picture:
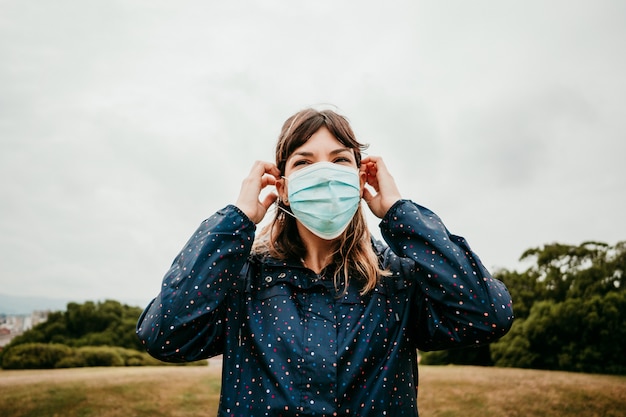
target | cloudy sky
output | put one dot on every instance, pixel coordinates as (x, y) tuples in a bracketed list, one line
[(123, 124)]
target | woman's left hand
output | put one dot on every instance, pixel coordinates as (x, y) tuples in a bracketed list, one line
[(380, 180)]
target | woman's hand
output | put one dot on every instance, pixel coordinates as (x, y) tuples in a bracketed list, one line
[(380, 180), (262, 174)]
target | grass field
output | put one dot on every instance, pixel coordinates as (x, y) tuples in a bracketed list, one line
[(449, 391)]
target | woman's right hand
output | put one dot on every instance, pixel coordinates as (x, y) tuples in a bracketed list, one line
[(262, 174)]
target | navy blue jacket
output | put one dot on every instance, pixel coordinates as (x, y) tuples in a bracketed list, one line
[(294, 346)]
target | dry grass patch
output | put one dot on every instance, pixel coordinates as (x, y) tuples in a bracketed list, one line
[(447, 391), (467, 391), (110, 392)]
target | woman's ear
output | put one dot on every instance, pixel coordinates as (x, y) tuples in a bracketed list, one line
[(362, 180), (281, 189)]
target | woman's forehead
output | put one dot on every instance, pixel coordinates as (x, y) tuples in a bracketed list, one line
[(320, 141)]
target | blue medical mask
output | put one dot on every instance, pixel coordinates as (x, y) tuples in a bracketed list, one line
[(324, 197)]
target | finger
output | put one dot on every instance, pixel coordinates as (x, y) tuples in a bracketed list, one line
[(268, 180), (370, 159), (367, 195), (381, 167), (373, 182), (370, 166), (376, 162), (371, 177), (273, 170), (268, 200), (261, 168)]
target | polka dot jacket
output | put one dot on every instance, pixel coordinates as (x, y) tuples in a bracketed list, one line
[(294, 346)]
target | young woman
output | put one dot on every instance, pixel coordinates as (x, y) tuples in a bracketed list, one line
[(312, 315)]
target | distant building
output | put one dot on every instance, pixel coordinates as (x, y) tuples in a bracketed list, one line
[(5, 336), (15, 325)]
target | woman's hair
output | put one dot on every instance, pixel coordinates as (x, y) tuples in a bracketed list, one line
[(280, 239)]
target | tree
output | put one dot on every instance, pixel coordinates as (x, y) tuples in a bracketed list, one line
[(575, 321), (566, 271), (570, 307)]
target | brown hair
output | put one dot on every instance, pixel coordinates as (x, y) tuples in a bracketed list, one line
[(280, 239)]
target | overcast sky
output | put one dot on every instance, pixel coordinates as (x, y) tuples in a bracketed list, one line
[(123, 124)]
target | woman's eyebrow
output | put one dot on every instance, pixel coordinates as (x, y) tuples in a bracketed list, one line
[(302, 153), (333, 152), (341, 150)]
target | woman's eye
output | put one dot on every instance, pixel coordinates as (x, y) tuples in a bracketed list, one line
[(300, 162), (342, 159)]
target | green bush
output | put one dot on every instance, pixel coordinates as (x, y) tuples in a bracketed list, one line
[(101, 356), (51, 355), (135, 358), (72, 361), (35, 356)]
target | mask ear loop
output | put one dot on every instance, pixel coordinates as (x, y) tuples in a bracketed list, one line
[(284, 210), (279, 202)]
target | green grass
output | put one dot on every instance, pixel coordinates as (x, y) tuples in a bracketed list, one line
[(448, 391)]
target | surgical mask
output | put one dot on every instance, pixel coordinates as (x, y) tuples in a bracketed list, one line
[(324, 197)]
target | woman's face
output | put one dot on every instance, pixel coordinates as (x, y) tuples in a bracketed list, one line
[(322, 146)]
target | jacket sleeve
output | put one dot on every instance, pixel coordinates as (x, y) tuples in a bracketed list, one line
[(184, 322), (457, 302)]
